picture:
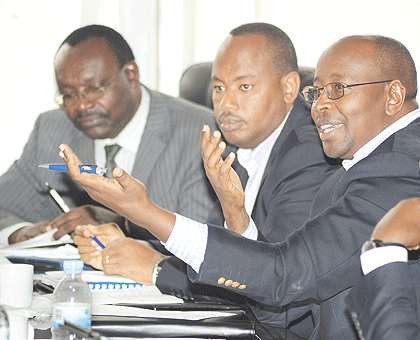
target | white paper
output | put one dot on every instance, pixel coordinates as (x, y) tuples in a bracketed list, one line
[(65, 252), (39, 241), (106, 310)]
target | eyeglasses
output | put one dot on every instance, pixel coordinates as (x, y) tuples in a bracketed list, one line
[(333, 90), (92, 94)]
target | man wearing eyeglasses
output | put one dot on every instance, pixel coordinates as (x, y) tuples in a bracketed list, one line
[(374, 128), (102, 104)]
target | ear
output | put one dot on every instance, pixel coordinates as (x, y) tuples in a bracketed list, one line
[(291, 83), (396, 98), (132, 72)]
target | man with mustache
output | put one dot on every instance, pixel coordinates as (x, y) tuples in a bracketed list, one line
[(364, 105), (102, 103)]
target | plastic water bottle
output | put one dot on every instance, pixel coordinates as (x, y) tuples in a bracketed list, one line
[(72, 301), (4, 324)]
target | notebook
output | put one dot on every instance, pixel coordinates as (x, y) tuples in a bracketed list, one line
[(96, 279)]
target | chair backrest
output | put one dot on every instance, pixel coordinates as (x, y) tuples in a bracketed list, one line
[(195, 83)]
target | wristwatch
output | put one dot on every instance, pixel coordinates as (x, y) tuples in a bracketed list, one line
[(156, 269), (371, 244)]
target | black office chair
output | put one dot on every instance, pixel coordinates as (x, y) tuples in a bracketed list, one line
[(195, 83)]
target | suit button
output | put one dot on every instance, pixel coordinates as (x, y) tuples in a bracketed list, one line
[(221, 281), (235, 284), (242, 287), (228, 282)]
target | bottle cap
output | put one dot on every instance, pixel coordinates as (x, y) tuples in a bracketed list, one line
[(73, 266)]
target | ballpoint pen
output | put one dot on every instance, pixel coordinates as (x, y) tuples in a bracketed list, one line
[(93, 169), (55, 195)]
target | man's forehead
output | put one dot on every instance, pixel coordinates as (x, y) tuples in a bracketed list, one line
[(347, 59)]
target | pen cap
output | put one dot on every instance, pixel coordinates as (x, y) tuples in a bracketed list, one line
[(73, 266)]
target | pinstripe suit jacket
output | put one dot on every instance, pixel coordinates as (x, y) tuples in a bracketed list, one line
[(168, 162)]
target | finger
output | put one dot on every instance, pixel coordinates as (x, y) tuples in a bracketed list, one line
[(83, 231), (111, 269), (226, 165), (67, 228), (69, 157), (210, 146), (205, 137), (88, 251), (215, 159), (87, 180)]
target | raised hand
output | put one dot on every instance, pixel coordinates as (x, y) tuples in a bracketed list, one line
[(224, 180), (125, 195)]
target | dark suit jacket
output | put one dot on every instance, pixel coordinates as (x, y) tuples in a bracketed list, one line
[(168, 162), (319, 262), (295, 170), (384, 304)]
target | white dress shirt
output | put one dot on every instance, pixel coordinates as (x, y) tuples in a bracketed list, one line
[(368, 148), (176, 244), (378, 257)]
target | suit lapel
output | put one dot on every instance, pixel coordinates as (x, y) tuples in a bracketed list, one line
[(84, 149), (287, 136), (155, 138)]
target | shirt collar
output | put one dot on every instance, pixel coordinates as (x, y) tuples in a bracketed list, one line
[(368, 148)]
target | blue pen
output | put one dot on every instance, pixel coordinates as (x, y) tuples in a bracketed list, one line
[(93, 169), (98, 242)]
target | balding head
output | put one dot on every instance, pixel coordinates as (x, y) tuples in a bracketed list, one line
[(376, 88)]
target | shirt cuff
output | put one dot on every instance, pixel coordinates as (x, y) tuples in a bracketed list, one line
[(251, 232), (6, 232), (378, 257), (188, 241)]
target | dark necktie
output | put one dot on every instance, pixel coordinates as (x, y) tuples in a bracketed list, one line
[(110, 153)]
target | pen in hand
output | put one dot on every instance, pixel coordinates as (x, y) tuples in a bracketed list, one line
[(98, 242), (93, 169)]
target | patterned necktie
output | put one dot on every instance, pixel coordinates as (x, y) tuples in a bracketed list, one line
[(110, 153)]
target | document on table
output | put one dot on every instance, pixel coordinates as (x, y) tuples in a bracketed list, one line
[(42, 240), (65, 252), (97, 280)]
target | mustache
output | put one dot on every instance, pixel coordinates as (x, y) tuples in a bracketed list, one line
[(227, 117), (83, 115)]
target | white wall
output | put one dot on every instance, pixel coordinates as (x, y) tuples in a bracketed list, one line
[(167, 36)]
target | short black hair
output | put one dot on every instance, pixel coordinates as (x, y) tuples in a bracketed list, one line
[(115, 40), (396, 62), (279, 44)]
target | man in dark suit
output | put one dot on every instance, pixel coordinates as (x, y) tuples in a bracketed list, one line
[(103, 103), (384, 304), (365, 109), (258, 110)]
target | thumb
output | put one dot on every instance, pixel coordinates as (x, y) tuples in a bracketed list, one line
[(123, 178)]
